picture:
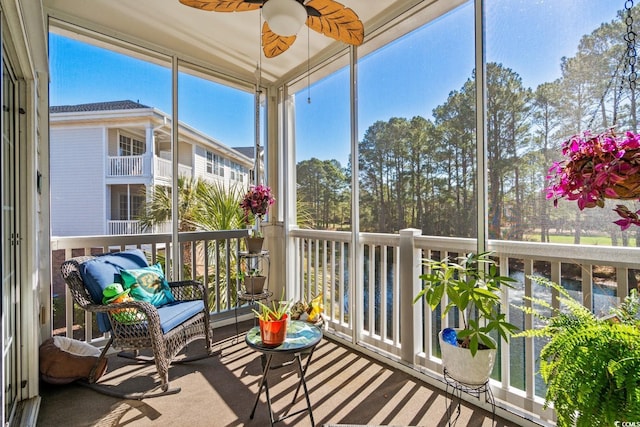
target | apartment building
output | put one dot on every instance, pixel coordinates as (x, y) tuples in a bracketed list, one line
[(105, 155)]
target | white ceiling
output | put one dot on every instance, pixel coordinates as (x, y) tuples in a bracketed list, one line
[(227, 42)]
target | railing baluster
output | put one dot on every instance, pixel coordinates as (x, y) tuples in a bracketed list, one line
[(505, 349), (587, 286), (529, 349), (395, 313), (325, 260), (332, 282), (343, 320), (316, 271), (383, 292)]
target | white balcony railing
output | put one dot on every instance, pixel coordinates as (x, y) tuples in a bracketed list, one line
[(127, 227), (369, 300), (164, 169), (125, 166), (211, 252), (370, 314), (116, 227), (119, 166)]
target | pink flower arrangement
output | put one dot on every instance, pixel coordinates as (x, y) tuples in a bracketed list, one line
[(256, 202), (599, 166)]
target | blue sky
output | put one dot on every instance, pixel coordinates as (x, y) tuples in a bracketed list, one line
[(81, 73), (528, 36)]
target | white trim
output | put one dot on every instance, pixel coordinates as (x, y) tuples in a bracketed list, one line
[(29, 412)]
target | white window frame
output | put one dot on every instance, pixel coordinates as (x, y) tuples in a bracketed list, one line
[(130, 146)]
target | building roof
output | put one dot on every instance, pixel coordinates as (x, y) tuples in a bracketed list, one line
[(247, 151), (97, 106)]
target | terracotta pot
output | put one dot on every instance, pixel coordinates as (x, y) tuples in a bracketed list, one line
[(465, 368), (254, 244), (254, 284), (273, 332)]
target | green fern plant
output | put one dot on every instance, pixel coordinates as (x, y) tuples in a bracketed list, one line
[(591, 365)]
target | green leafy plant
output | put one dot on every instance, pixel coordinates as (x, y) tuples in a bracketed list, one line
[(591, 365), (472, 285), (252, 272), (276, 311)]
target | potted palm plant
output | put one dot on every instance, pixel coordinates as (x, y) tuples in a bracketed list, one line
[(590, 364), (472, 285), (273, 322)]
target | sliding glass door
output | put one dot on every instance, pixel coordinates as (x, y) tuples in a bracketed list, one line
[(9, 233)]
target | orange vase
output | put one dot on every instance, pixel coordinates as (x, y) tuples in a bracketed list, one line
[(273, 332)]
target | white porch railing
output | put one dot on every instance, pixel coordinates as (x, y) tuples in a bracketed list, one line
[(128, 227), (116, 227), (185, 171), (125, 166), (213, 253), (163, 169), (379, 314), (375, 312)]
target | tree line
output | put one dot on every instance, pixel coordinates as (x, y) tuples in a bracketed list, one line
[(419, 172)]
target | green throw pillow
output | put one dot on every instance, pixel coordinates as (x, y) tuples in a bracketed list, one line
[(148, 284)]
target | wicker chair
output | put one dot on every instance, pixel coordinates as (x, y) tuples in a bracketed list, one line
[(146, 332)]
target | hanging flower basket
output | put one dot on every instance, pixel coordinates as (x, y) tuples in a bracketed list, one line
[(598, 167), (256, 202), (629, 187)]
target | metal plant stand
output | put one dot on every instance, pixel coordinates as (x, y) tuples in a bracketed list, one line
[(454, 392), (255, 260)]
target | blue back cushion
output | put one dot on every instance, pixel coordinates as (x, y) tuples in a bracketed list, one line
[(104, 270)]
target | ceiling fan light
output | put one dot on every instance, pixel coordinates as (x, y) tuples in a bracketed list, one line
[(285, 17)]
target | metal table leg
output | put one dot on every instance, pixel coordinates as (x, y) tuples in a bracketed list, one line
[(263, 382), (302, 370)]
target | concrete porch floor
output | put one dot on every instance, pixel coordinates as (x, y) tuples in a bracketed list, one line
[(345, 388)]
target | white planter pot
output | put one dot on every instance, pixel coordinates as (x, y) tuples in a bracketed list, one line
[(465, 368)]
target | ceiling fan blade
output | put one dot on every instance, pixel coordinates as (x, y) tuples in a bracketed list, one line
[(274, 44), (336, 21), (223, 5)]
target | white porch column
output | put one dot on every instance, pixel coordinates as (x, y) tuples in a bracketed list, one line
[(150, 150), (410, 315), (278, 177), (274, 243)]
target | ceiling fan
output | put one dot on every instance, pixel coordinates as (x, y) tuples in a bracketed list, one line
[(283, 19)]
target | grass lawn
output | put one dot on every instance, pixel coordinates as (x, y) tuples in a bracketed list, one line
[(584, 240)]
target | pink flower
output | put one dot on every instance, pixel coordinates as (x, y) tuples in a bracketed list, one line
[(597, 167), (628, 217), (257, 202)]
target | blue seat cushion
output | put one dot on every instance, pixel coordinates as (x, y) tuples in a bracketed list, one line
[(175, 313), (103, 270)]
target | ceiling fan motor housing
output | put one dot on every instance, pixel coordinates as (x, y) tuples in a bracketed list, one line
[(285, 17)]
